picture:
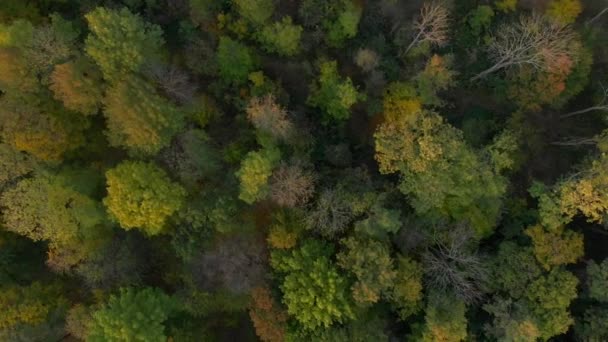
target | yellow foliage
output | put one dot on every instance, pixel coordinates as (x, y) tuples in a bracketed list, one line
[(564, 11)]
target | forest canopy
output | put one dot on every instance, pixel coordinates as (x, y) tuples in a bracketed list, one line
[(312, 170)]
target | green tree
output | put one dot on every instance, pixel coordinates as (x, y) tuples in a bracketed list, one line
[(548, 299), (50, 208), (234, 61), (345, 25), (333, 95), (255, 172), (564, 11), (141, 195), (431, 154), (597, 280), (313, 290), (282, 37), (14, 165), (555, 247), (256, 11), (32, 312), (132, 315), (120, 42), (444, 319), (138, 118), (406, 294), (372, 265)]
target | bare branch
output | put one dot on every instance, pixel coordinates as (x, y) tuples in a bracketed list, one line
[(534, 41), (431, 26), (597, 16), (602, 105)]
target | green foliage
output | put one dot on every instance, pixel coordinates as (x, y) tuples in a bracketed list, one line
[(445, 319), (506, 5), (315, 293), (548, 298), (29, 305), (555, 247), (512, 269), (120, 42), (132, 315), (234, 61), (47, 207), (138, 118), (345, 25), (406, 294), (255, 11), (254, 173), (281, 37), (380, 223), (480, 19), (333, 95), (564, 11), (371, 263), (592, 327), (597, 280), (14, 165), (435, 77), (431, 154), (141, 195)]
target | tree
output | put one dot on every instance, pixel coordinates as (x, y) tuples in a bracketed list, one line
[(281, 37), (268, 318), (78, 85), (345, 25), (592, 327), (14, 165), (430, 27), (444, 319), (31, 312), (269, 117), (234, 61), (431, 154), (582, 192), (315, 293), (533, 40), (254, 173), (132, 315), (332, 95), (556, 246), (141, 195), (372, 265), (435, 77), (286, 229), (548, 299), (406, 294), (597, 280), (366, 59), (291, 185), (255, 11), (564, 11), (49, 208), (138, 118), (513, 269), (238, 264), (191, 158), (511, 322), (120, 41), (172, 81), (330, 215), (452, 265)]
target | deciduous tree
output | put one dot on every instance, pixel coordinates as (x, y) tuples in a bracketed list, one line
[(141, 195)]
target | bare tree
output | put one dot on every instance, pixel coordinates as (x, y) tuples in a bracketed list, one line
[(266, 115), (291, 185), (172, 81), (431, 26), (602, 105), (452, 265), (533, 40), (331, 215)]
